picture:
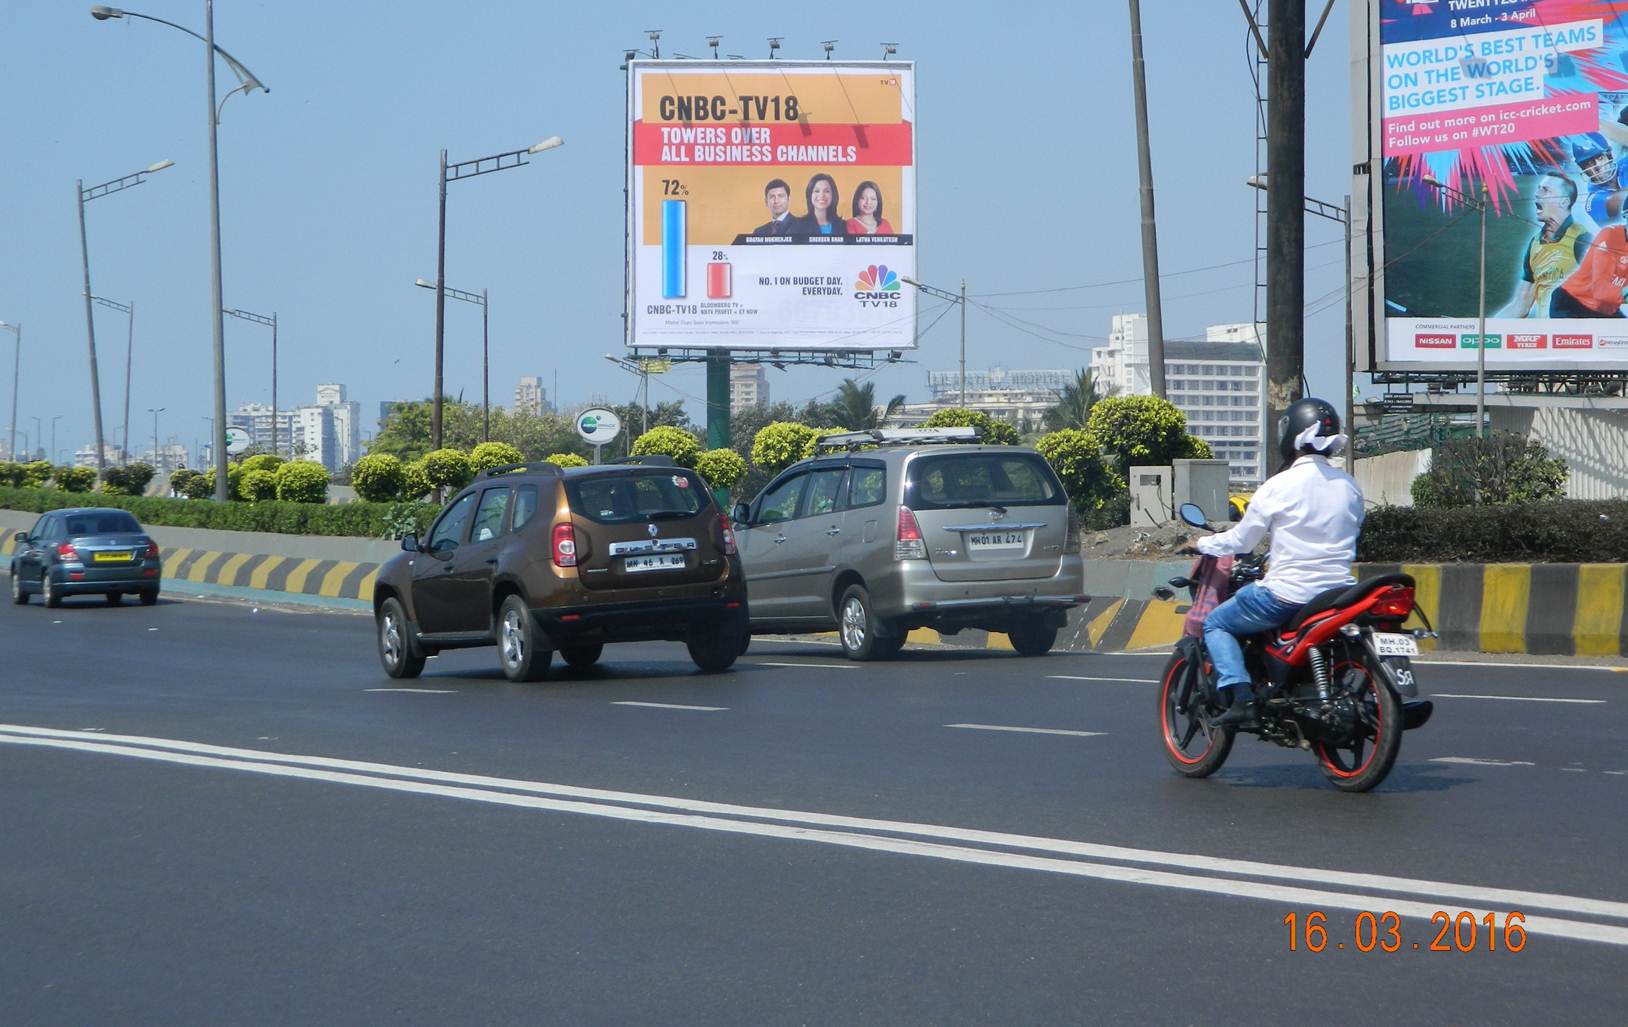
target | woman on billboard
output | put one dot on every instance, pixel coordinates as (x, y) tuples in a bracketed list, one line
[(868, 219), (822, 217)]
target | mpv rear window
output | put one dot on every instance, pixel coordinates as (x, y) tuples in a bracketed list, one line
[(624, 499), (104, 523), (953, 480)]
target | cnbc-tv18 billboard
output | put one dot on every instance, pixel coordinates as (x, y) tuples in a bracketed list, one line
[(1524, 103), (771, 205)]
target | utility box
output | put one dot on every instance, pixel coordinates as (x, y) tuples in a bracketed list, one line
[(1205, 482), (1150, 497)]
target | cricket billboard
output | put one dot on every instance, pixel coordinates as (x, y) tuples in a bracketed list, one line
[(771, 205), (1514, 108)]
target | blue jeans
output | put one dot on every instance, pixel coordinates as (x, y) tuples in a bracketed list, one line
[(1250, 611)]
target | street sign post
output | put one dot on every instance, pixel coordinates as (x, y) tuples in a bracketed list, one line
[(597, 427), (237, 440)]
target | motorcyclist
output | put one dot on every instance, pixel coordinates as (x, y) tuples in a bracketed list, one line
[(1314, 511)]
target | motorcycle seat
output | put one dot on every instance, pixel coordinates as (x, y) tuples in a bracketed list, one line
[(1344, 595)]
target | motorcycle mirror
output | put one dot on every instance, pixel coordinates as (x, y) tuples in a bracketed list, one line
[(1193, 515)]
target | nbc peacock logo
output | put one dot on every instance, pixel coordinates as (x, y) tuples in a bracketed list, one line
[(877, 286)]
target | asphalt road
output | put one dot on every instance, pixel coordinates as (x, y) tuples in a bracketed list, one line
[(210, 814)]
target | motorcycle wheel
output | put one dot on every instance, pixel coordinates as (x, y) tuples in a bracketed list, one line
[(1193, 748), (1364, 762)]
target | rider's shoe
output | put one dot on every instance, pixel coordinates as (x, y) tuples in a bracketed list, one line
[(1243, 708)]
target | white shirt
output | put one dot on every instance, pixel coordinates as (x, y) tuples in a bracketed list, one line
[(1314, 511)]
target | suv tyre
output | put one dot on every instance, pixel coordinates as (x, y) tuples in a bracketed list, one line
[(581, 657), (519, 643), (715, 650), (398, 651), (1032, 639), (858, 627)]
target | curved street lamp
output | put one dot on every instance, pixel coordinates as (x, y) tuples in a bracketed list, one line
[(247, 82)]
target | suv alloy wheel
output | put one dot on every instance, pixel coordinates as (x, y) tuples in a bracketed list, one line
[(518, 643)]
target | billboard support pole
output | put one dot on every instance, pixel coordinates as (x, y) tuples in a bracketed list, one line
[(1285, 206), (1481, 334), (718, 400), (1150, 232), (1350, 352)]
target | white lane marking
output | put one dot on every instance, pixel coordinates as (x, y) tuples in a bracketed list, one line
[(1305, 897), (1493, 898), (816, 666), (671, 706), (1518, 698), (416, 691), (1477, 761), (1029, 730), (1521, 666), (1128, 681)]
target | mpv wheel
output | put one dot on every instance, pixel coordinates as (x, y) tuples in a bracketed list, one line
[(581, 657), (857, 627), (398, 654), (48, 591), (1032, 639), (18, 596), (519, 647)]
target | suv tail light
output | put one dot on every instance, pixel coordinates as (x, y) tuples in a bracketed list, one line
[(565, 545), (729, 534), (66, 553), (152, 550), (1071, 540), (907, 541), (1398, 603)]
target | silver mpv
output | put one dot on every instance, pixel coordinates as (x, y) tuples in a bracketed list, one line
[(891, 530)]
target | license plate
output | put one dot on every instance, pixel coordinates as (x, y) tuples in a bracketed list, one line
[(998, 540), (1387, 644), (110, 557), (659, 562)]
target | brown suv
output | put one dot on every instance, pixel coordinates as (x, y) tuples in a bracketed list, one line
[(533, 558)]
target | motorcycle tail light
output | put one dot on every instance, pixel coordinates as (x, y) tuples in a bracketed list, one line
[(729, 534), (908, 543), (565, 545), (1398, 603)]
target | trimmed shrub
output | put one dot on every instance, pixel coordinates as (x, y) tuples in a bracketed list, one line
[(11, 473), (302, 482), (378, 478), (129, 480), (415, 484), (812, 446), (1143, 431), (721, 468), (259, 486), (1556, 531), (778, 445), (494, 454), (563, 460), (991, 431), (34, 474), (199, 486), (447, 469), (668, 441), (1504, 468), (261, 462), (1077, 458), (359, 520), (181, 478), (74, 479)]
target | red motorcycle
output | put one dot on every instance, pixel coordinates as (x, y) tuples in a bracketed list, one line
[(1337, 680)]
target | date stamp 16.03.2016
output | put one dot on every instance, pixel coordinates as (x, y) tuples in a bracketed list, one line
[(1386, 932)]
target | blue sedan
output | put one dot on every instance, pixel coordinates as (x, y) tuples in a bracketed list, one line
[(89, 551)]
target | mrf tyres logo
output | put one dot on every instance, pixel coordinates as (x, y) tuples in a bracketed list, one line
[(877, 286)]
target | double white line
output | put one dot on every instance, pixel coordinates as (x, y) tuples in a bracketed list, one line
[(1546, 914)]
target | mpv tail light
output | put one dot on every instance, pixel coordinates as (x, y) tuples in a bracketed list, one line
[(1071, 540), (1398, 603), (729, 534), (66, 553), (565, 545), (907, 541)]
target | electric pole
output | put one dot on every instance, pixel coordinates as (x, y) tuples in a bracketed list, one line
[(1285, 206)]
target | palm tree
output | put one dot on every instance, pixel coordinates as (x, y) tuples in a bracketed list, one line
[(1073, 407), (855, 405)]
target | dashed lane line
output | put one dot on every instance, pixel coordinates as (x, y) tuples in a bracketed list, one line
[(1518, 698), (1029, 730), (671, 706)]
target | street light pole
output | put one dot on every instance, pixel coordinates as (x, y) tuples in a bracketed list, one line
[(16, 369), (90, 333), (54, 421), (963, 343), (485, 374), (129, 310), (269, 322), (157, 459), (452, 173)]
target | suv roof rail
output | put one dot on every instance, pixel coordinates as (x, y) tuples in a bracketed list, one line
[(896, 437), (534, 467), (654, 460)]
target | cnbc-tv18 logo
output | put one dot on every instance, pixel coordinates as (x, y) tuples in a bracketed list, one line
[(877, 286)]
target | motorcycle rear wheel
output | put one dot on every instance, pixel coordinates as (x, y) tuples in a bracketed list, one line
[(1368, 759), (1193, 747)]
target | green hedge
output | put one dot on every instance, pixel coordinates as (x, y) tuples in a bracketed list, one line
[(358, 520), (1560, 531)]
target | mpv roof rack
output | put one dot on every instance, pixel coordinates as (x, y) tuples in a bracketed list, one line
[(897, 437), (535, 467), (653, 460)]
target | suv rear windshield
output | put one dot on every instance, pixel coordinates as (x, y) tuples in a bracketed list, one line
[(102, 522), (952, 480), (629, 498)]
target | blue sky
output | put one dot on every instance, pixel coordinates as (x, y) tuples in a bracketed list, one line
[(1027, 178)]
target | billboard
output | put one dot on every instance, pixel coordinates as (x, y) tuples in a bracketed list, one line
[(1522, 104), (771, 205)]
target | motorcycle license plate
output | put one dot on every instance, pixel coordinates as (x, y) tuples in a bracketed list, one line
[(1387, 644)]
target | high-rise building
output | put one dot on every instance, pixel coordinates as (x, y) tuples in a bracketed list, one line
[(330, 433), (748, 385), (257, 420), (530, 397), (1219, 383)]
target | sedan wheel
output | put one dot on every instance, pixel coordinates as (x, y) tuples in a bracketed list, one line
[(18, 596), (48, 591)]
